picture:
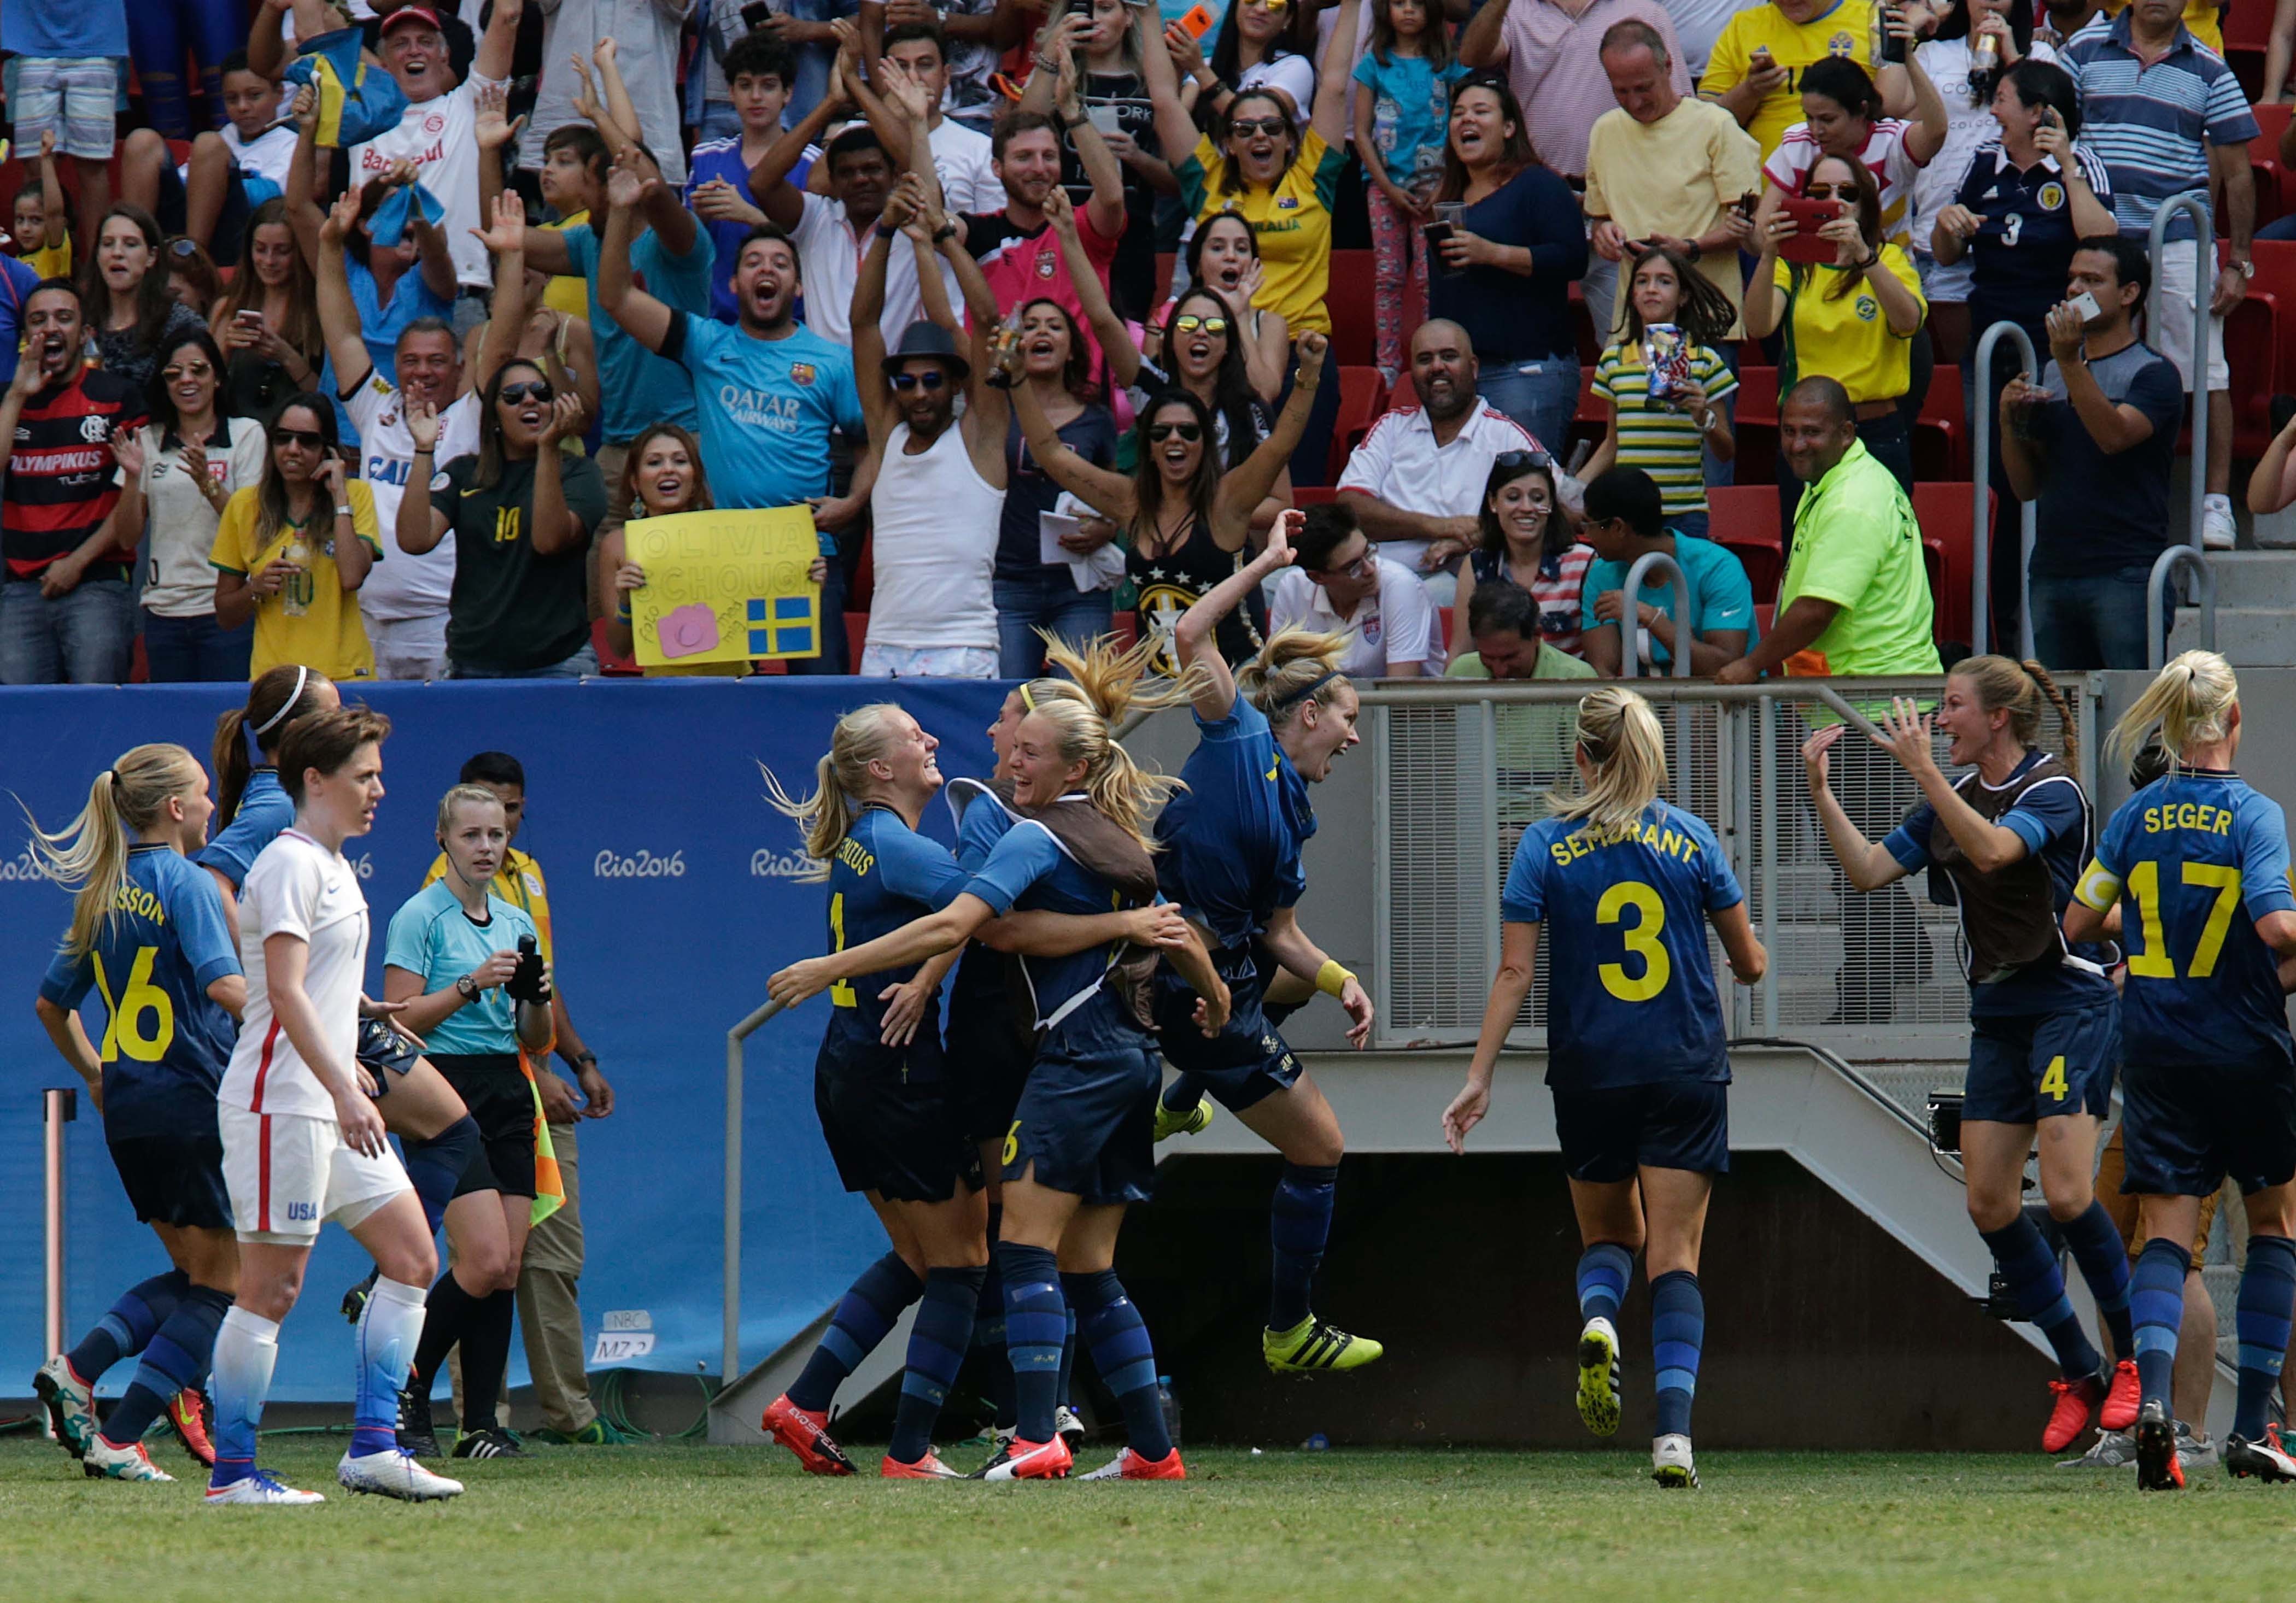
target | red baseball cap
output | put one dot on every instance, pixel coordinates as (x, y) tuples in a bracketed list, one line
[(418, 14)]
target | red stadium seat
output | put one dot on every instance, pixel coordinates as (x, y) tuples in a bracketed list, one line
[(1755, 425), (2247, 30), (857, 637), (1765, 615), (1349, 299), (2253, 337), (1124, 628), (1941, 432), (1363, 395), (2274, 198), (1950, 550), (1757, 395), (1745, 518)]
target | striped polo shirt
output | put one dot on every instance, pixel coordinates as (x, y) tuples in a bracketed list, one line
[(2152, 126), (1664, 443)]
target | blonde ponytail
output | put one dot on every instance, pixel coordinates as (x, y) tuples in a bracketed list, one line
[(1293, 670), (1621, 738), (1110, 684), (2192, 700), (840, 782), (89, 856)]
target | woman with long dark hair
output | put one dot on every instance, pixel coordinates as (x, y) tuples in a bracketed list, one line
[(1526, 540), (1223, 255), (268, 320), (125, 286), (1668, 435)]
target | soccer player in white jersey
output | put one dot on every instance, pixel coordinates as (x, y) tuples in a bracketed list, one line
[(302, 1142)]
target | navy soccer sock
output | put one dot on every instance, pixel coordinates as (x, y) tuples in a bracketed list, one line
[(1184, 1093), (988, 1328), (862, 1321), (2156, 1301), (176, 1357), (2104, 1264), (1677, 1334), (2037, 1287), (937, 1344), (1604, 1270), (1112, 1328), (129, 1325), (1035, 1319), (1299, 1224), (1067, 1399), (434, 1168), (2267, 1298)]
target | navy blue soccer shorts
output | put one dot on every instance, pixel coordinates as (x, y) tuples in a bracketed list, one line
[(1248, 1061), (1086, 1118), (2028, 1067), (2184, 1130), (888, 1116), (1607, 1135), (176, 1179)]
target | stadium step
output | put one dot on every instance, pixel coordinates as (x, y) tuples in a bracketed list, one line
[(2256, 609)]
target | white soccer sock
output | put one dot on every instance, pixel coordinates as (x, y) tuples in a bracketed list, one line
[(390, 1326), (246, 1348)]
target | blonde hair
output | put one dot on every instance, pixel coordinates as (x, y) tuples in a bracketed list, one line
[(1108, 684), (2192, 700), (1292, 670), (460, 795), (862, 736), (89, 856), (2003, 683), (1621, 738)]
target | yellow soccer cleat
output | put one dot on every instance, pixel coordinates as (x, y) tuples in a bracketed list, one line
[(1312, 1347), (1171, 1122), (1598, 1376)]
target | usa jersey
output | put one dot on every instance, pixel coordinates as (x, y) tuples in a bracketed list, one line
[(884, 876), (165, 1042), (2195, 859), (1231, 840), (1630, 997)]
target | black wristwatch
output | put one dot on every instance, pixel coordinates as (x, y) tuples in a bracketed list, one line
[(946, 231), (584, 1059), (466, 987), (1696, 251)]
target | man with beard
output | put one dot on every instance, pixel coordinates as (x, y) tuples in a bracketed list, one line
[(1416, 482), (939, 497)]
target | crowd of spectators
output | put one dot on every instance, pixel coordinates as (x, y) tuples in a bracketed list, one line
[(350, 332)]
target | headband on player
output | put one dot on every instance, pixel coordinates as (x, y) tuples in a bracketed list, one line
[(302, 678)]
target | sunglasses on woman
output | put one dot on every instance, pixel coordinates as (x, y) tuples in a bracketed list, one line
[(931, 379), (309, 438), (1516, 462), (1190, 323), (538, 388), (1247, 126), (1160, 432), (1830, 192)]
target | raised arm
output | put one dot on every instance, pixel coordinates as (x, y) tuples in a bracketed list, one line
[(1105, 208), (1197, 636), (869, 312), (1176, 129), (1866, 864), (782, 201), (338, 317), (304, 214), (420, 526), (643, 317), (1110, 494), (1108, 329), (1243, 487), (505, 328), (499, 43), (1330, 118), (614, 94)]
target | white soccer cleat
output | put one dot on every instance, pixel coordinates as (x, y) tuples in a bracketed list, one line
[(261, 1490), (104, 1462), (70, 1404), (1069, 1425), (1598, 1376), (395, 1474), (1670, 1464)]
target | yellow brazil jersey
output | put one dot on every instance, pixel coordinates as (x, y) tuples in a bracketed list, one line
[(1292, 220), (312, 620), (1844, 28), (519, 882), (567, 292), (2203, 18), (52, 261), (1847, 339)]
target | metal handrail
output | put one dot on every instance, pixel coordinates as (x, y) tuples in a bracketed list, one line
[(2156, 634), (733, 1287), (1630, 658), (2193, 204), (1980, 445)]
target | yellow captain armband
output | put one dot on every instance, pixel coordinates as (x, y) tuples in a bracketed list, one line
[(1332, 979), (2099, 888)]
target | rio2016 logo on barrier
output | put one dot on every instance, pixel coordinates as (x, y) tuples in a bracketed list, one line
[(644, 865), (765, 863), (22, 866)]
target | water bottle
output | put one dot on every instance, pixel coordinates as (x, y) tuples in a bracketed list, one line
[(1170, 1404)]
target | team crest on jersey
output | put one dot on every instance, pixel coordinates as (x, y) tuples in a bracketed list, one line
[(1047, 264), (533, 885), (1287, 202), (2052, 196), (390, 420), (1841, 45), (1867, 309), (93, 428), (439, 481), (801, 372)]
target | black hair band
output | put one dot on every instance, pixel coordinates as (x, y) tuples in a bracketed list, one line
[(1304, 691)]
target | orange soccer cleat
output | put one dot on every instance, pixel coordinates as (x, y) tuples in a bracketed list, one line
[(2077, 1400), (187, 1413), (1020, 1460), (926, 1468), (807, 1434), (1130, 1466), (2121, 1398)]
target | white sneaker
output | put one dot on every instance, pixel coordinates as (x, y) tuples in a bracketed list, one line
[(70, 1404), (104, 1462), (2218, 531), (2113, 1450), (1069, 1425), (395, 1474), (2194, 1450), (261, 1489), (1671, 1465)]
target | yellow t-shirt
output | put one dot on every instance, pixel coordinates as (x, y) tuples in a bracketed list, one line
[(313, 620), (1679, 175), (1292, 221), (1845, 28), (1849, 339), (2201, 16), (567, 292), (519, 882), (52, 261)]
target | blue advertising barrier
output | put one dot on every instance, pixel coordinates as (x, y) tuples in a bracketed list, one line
[(673, 893)]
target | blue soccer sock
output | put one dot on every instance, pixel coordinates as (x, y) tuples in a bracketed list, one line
[(1067, 1398), (1678, 1336), (434, 1168), (175, 1357), (1112, 1328), (246, 1347), (2104, 1264), (868, 1312), (2267, 1300), (1298, 1224), (2037, 1287), (1184, 1093), (1604, 1270), (131, 1322), (1035, 1319), (2156, 1302), (988, 1328), (936, 1344), (389, 1326)]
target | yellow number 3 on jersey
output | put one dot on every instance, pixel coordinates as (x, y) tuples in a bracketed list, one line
[(1642, 941), (2053, 1078)]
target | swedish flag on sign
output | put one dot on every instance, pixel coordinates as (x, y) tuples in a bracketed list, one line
[(783, 627), (357, 102)]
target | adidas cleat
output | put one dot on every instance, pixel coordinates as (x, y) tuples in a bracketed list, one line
[(187, 1416), (2264, 1460), (2069, 1416), (415, 1433), (393, 1473), (2113, 1450), (1130, 1466), (1172, 1121), (104, 1462), (1670, 1463), (489, 1444), (807, 1434), (1312, 1346), (2157, 1469), (927, 1468), (70, 1404), (1598, 1376), (260, 1489), (2122, 1394), (1067, 1423), (1029, 1461)]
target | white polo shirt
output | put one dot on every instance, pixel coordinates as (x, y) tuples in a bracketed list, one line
[(1399, 462), (829, 259), (1394, 624)]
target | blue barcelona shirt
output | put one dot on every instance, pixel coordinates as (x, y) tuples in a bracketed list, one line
[(884, 875), (2194, 860), (1231, 841), (1027, 869), (1630, 997), (264, 810), (165, 1040)]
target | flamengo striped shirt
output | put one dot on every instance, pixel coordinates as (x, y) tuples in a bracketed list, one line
[(62, 481), (2153, 126), (1662, 442), (1883, 154)]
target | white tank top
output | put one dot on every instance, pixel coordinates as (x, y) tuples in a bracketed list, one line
[(936, 526)]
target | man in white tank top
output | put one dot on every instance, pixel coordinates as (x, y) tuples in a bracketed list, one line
[(939, 491)]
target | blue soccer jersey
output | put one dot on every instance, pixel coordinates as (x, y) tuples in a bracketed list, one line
[(165, 1040), (2194, 860), (1231, 840), (884, 876), (264, 810), (979, 981), (1630, 997), (1027, 869)]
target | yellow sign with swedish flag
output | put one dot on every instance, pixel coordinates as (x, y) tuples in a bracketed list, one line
[(726, 586)]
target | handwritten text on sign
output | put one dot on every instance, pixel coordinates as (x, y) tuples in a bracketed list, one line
[(725, 586)]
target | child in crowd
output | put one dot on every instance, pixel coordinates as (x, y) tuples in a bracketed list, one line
[(1665, 383), (1399, 125)]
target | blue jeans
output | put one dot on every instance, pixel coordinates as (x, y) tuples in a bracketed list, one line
[(1049, 601), (84, 636), (1541, 395), (813, 61), (186, 650), (1693, 524), (2095, 621), (582, 664)]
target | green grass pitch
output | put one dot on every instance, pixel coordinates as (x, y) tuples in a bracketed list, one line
[(695, 1523)]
